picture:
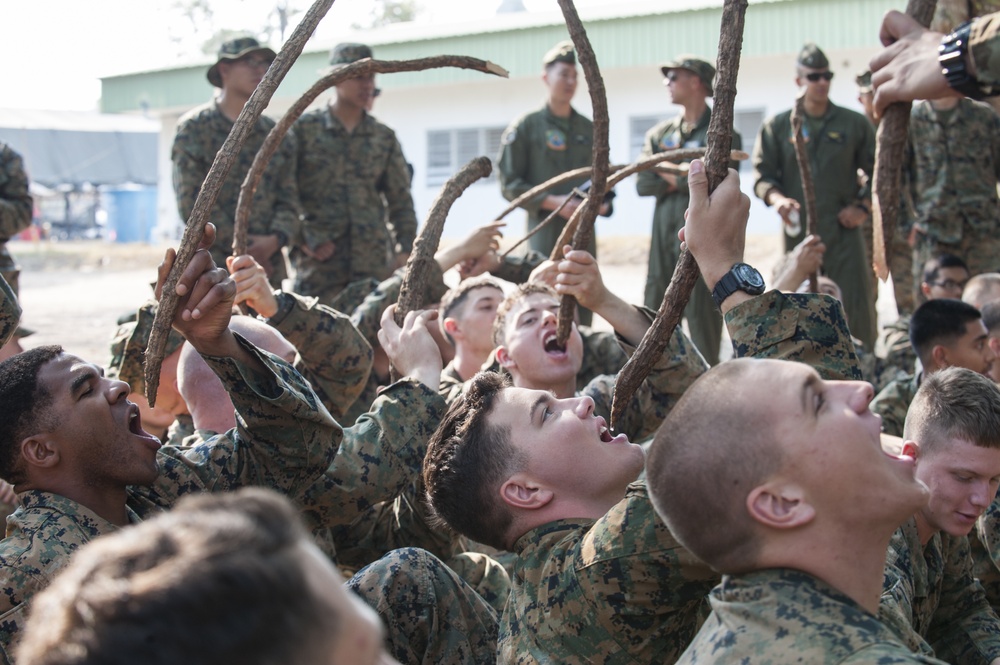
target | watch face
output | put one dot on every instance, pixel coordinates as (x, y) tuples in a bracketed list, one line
[(748, 275)]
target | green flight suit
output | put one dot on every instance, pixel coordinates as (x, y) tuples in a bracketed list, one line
[(704, 319), (840, 143)]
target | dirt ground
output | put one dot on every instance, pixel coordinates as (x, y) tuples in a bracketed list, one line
[(73, 293)]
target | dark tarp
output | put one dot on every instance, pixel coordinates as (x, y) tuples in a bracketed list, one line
[(56, 157)]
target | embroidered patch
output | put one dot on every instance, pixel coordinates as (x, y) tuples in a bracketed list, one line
[(509, 136), (836, 137), (670, 142), (805, 135), (555, 140)]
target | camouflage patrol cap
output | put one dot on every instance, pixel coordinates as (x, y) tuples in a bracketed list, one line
[(864, 81), (700, 68), (128, 347), (812, 56), (347, 52), (234, 49), (561, 52)]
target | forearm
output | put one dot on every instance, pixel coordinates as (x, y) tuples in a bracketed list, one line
[(808, 328)]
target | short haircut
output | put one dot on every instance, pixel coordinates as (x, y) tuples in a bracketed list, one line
[(940, 321), (511, 301), (982, 289), (455, 298), (932, 269), (217, 580), (991, 317), (25, 406), (705, 459), (467, 461), (955, 403)]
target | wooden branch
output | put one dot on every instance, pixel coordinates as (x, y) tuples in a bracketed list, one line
[(601, 152), (720, 141), (567, 233), (620, 171), (353, 70), (542, 224), (805, 175), (220, 168), (418, 266), (890, 147)]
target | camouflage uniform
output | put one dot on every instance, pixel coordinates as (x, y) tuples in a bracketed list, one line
[(332, 353), (782, 616), (15, 209), (368, 316), (874, 369), (10, 311), (284, 441), (703, 316), (985, 546), (842, 142), (893, 402), (128, 347), (342, 177), (931, 600), (621, 589), (431, 615), (953, 165), (200, 133), (894, 345)]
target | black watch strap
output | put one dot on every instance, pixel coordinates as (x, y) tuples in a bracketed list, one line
[(741, 277), (953, 54)]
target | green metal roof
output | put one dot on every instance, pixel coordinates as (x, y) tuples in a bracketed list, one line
[(772, 28)]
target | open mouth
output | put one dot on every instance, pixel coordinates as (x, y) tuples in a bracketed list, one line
[(606, 434), (135, 425), (552, 345)]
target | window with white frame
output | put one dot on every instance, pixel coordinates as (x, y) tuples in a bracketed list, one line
[(448, 150), (746, 121)]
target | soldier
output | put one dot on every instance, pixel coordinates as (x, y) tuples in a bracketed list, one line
[(75, 450), (542, 144), (840, 143), (930, 597), (274, 215), (15, 216), (598, 576), (347, 163), (921, 64), (689, 81), (944, 333), (982, 290), (466, 316), (944, 276), (794, 590), (290, 604), (952, 167)]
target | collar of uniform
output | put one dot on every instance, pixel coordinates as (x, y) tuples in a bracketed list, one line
[(573, 114), (332, 123), (918, 555), (221, 117), (544, 536), (89, 521)]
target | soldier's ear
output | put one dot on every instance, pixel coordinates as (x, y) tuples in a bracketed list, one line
[(911, 449), (504, 358), (450, 326), (519, 491), (39, 451), (779, 504)]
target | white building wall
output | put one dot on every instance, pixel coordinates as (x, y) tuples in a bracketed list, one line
[(765, 85)]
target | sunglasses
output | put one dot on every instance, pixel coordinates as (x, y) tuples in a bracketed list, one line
[(818, 76)]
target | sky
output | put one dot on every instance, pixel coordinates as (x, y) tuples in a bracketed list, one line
[(57, 50)]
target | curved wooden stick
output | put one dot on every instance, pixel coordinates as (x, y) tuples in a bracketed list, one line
[(890, 146), (223, 162), (353, 70), (720, 141), (620, 172), (805, 175), (600, 161), (414, 286)]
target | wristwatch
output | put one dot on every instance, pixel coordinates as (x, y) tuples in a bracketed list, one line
[(741, 277), (953, 56)]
